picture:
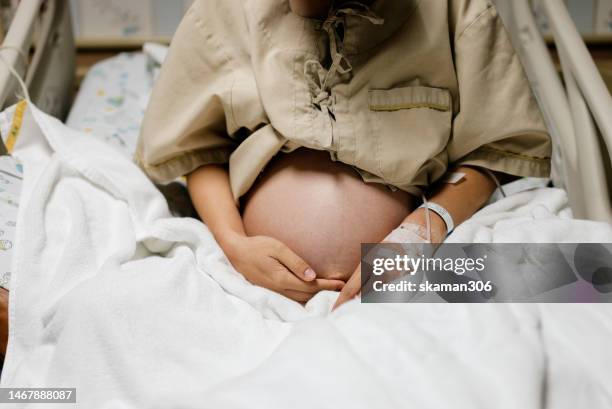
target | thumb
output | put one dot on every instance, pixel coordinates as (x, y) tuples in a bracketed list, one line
[(295, 264), (350, 290)]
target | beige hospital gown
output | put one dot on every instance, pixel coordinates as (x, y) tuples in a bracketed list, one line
[(398, 89)]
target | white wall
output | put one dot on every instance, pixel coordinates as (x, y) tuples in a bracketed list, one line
[(127, 18), (159, 18), (591, 16), (603, 16)]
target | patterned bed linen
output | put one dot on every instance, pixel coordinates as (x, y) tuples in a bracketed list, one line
[(112, 100)]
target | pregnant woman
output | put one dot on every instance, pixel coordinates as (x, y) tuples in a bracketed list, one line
[(307, 127)]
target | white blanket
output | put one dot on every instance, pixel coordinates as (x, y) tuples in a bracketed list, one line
[(140, 310)]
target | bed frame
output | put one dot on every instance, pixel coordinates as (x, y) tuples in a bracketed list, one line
[(577, 107), (42, 30), (578, 110)]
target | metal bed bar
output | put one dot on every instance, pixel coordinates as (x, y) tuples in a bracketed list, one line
[(578, 115), (49, 71)]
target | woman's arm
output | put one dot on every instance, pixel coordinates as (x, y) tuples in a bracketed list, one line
[(461, 200), (210, 192), (262, 260)]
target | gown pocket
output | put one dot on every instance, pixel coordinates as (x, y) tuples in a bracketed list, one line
[(412, 127)]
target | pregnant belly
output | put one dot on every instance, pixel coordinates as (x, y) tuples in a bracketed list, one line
[(322, 210)]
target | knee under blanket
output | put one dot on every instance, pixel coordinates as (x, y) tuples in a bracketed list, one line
[(137, 309)]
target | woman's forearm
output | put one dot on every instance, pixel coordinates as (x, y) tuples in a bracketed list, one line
[(461, 200), (209, 188)]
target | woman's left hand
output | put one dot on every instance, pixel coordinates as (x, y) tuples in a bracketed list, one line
[(417, 220), (351, 289)]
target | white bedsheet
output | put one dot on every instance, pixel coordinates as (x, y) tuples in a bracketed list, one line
[(110, 107), (139, 310)]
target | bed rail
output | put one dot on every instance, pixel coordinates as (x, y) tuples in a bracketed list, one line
[(578, 114), (43, 26)]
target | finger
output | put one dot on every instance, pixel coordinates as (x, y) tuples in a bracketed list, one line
[(337, 275), (302, 296), (324, 285), (298, 296), (368, 285), (294, 263), (350, 290), (347, 294), (330, 285), (291, 282), (286, 280)]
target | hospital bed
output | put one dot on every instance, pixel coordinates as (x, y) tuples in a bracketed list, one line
[(55, 87)]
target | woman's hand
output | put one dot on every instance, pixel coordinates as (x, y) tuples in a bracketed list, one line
[(262, 260), (351, 290), (415, 225), (461, 200), (268, 263)]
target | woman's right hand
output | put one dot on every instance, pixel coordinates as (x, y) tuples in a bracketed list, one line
[(262, 260), (268, 263)]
